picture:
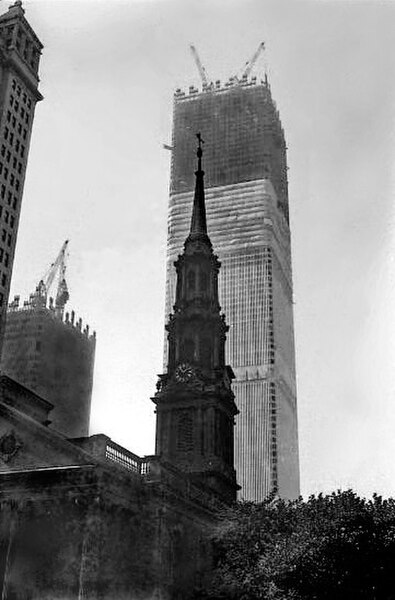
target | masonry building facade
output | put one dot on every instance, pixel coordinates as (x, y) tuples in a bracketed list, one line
[(20, 51)]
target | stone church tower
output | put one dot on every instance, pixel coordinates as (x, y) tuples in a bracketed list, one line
[(195, 403)]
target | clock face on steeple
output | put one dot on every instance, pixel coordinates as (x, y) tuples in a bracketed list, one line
[(184, 372)]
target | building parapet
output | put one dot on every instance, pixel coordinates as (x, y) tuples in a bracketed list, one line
[(103, 448), (123, 457), (151, 469), (216, 86), (35, 303)]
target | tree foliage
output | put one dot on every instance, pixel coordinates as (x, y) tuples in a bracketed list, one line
[(330, 547)]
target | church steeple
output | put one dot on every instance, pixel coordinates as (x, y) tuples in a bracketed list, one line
[(198, 229), (195, 403)]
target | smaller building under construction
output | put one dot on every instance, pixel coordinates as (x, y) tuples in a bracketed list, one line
[(50, 352)]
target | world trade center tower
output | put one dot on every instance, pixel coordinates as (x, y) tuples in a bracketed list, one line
[(248, 222)]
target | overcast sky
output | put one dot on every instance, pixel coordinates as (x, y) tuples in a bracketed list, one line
[(98, 175)]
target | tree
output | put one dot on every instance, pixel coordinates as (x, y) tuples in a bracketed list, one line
[(330, 547)]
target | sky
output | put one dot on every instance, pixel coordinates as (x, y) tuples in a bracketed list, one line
[(98, 175)]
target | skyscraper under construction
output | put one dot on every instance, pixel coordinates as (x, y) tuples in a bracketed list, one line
[(50, 352), (248, 218)]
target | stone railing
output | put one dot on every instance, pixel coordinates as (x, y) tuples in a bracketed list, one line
[(103, 448), (123, 457)]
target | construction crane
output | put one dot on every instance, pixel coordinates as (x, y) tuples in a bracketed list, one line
[(201, 69), (250, 63), (57, 269)]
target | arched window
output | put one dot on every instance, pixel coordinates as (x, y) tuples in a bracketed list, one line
[(203, 283), (191, 281), (185, 432), (206, 352)]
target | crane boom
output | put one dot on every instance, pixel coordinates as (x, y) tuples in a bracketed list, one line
[(250, 63), (58, 268), (201, 69)]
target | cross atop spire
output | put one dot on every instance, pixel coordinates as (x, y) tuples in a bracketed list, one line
[(17, 7), (198, 222)]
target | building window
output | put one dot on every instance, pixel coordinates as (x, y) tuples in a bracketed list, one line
[(191, 281), (4, 280), (7, 259), (3, 235), (9, 240), (185, 433), (205, 352), (203, 281), (15, 203)]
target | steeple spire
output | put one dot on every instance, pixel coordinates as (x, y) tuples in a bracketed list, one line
[(198, 221)]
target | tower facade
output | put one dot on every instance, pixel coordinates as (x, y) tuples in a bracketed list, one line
[(20, 51), (248, 219), (195, 404)]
